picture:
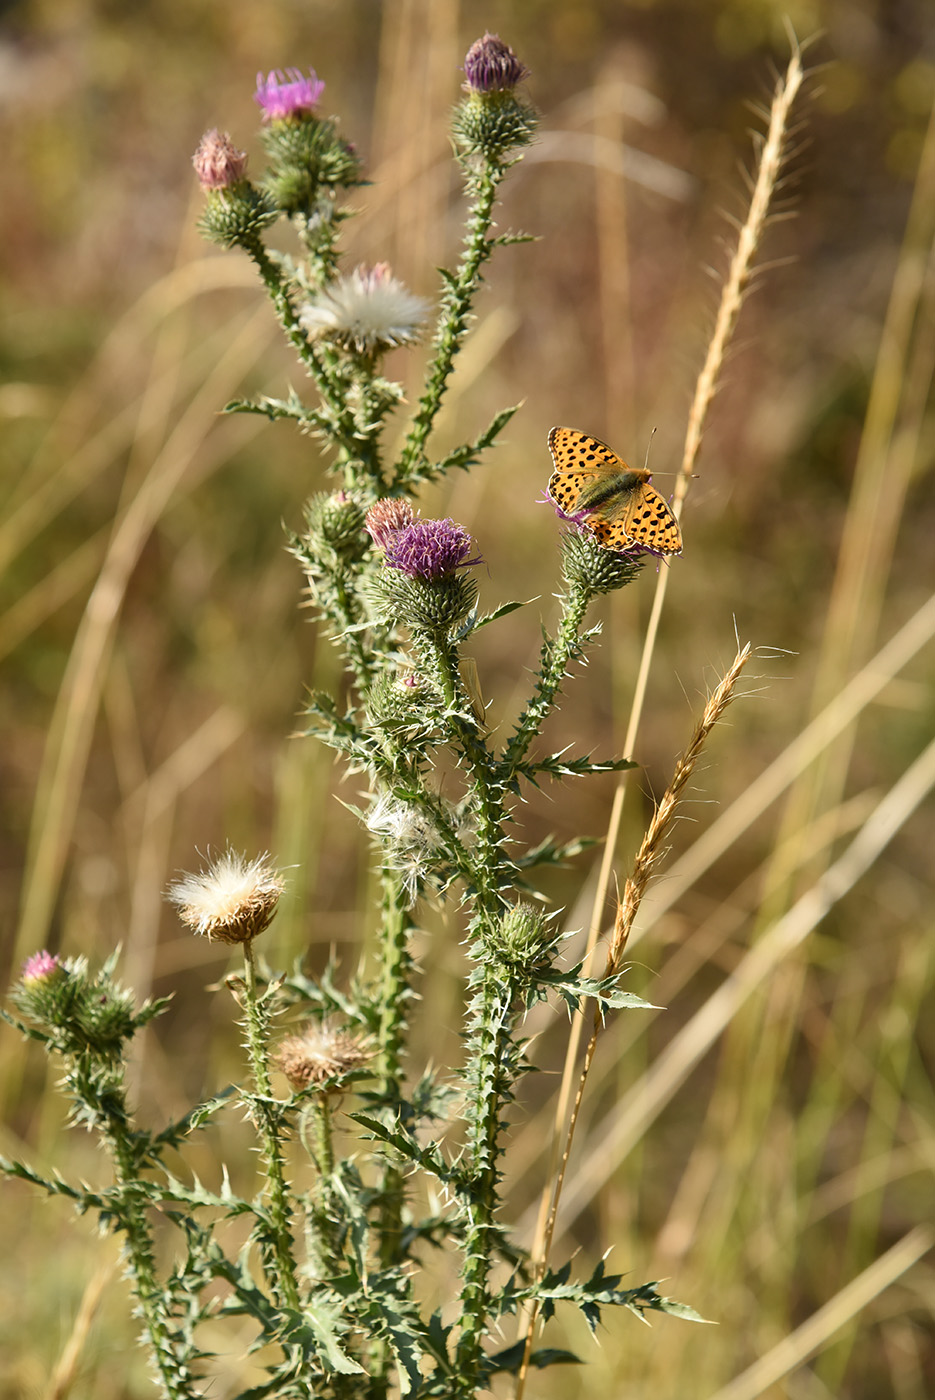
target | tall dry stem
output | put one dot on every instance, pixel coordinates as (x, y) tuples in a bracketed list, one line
[(731, 301)]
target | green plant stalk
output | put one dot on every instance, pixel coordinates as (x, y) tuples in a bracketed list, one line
[(280, 1210), (555, 658), (176, 1380), (491, 1077), (396, 970), (453, 322), (324, 368)]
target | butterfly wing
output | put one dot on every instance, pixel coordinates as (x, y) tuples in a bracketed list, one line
[(578, 460), (649, 520)]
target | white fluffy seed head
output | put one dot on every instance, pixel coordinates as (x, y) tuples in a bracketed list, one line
[(368, 310), (230, 902)]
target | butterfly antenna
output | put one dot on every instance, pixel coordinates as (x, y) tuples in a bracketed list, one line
[(648, 446)]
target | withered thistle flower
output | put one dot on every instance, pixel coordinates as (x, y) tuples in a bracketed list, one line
[(318, 1055), (232, 901), (387, 517), (218, 163)]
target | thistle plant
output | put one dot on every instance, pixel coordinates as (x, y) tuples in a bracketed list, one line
[(338, 1230)]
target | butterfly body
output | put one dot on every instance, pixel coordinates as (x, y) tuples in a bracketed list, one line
[(613, 502)]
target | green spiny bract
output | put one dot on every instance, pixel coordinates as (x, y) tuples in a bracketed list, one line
[(521, 938), (335, 521), (84, 1013), (236, 217), (492, 125), (307, 158), (588, 565), (435, 606)]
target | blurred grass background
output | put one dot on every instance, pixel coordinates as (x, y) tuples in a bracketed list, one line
[(155, 654)]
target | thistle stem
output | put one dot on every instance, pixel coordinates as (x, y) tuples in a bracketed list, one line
[(256, 1022), (453, 321), (556, 655), (176, 1378)]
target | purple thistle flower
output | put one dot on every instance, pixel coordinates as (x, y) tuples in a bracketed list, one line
[(40, 966), (430, 549), (287, 94), (490, 65)]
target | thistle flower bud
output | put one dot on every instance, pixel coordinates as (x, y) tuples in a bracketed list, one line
[(232, 901), (586, 564), (84, 1013), (522, 938), (490, 65), (41, 967), (404, 709), (218, 163), (236, 215), (320, 1056), (492, 121), (335, 520)]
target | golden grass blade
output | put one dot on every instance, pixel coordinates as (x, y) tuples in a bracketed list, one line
[(650, 853), (65, 1374), (77, 704), (806, 1340), (732, 295), (644, 1102)]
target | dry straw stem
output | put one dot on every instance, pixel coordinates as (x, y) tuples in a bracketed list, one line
[(77, 704), (650, 853), (794, 1350), (732, 295), (63, 1378), (643, 1103)]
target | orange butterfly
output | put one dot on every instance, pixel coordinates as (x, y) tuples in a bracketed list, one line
[(613, 501)]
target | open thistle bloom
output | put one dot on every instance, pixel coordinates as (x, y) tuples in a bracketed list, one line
[(287, 94), (40, 967), (318, 1055), (386, 518), (490, 65), (430, 549), (367, 311), (232, 901), (217, 161)]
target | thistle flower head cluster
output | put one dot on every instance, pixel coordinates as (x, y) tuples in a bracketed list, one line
[(83, 1013), (320, 1056), (232, 901), (368, 311)]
